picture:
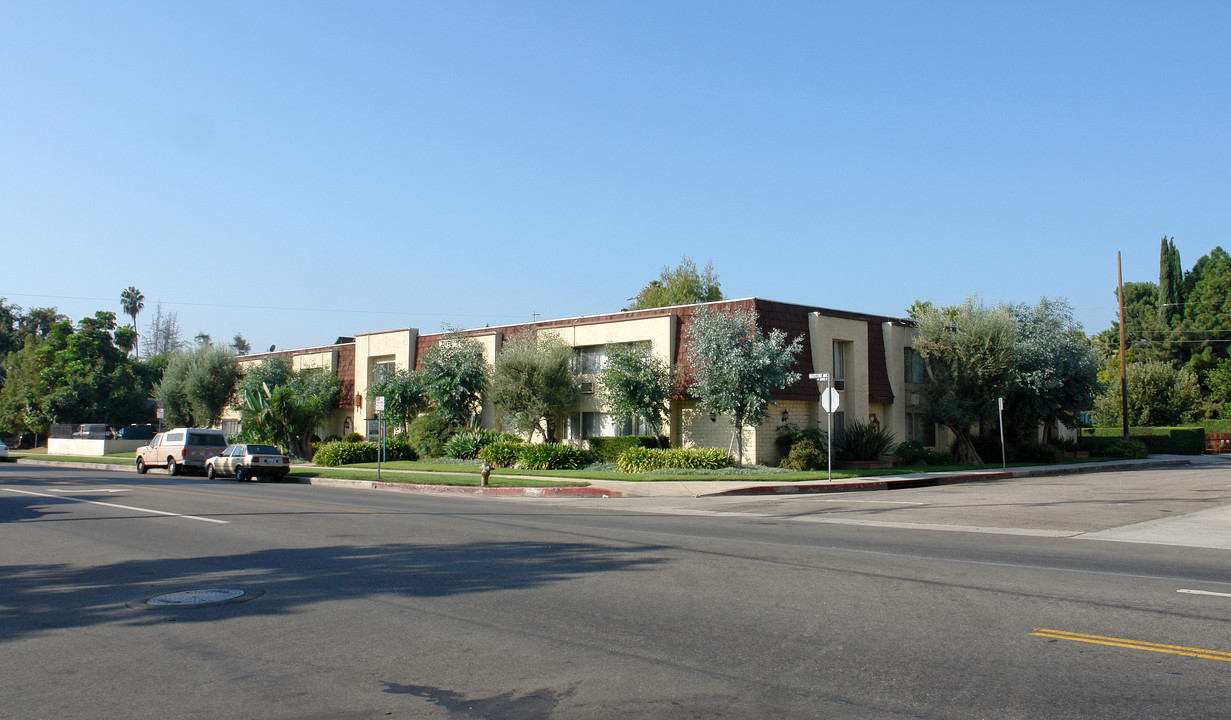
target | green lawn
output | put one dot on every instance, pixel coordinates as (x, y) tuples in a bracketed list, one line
[(428, 472)]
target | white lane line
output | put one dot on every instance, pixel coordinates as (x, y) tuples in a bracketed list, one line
[(121, 507), (1205, 592), (87, 491)]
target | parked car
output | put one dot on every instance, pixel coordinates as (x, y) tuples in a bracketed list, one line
[(4, 451), (137, 432), (249, 460), (93, 431), (181, 448)]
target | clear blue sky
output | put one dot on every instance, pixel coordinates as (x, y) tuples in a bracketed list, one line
[(296, 171)]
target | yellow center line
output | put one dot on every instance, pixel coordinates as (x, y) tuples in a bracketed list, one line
[(1134, 644), (255, 500)]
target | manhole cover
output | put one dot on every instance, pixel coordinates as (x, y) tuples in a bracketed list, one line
[(197, 598)]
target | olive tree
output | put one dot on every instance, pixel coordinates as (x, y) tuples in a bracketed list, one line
[(736, 368), (533, 384), (198, 384), (638, 384), (969, 353)]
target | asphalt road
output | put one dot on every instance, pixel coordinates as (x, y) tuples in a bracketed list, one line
[(995, 600)]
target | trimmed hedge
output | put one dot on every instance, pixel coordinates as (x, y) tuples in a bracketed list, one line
[(608, 449), (639, 459), (546, 456), (334, 454), (1157, 440)]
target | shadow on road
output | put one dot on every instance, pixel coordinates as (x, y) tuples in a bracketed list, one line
[(36, 598)]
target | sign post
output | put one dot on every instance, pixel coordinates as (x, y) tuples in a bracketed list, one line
[(829, 401), (380, 433), (1004, 464)]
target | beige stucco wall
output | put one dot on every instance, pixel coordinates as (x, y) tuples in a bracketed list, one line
[(697, 430), (822, 332), (395, 345), (658, 331)]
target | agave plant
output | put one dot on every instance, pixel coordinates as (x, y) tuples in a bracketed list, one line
[(864, 441)]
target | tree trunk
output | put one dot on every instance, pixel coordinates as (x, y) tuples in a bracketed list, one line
[(966, 453)]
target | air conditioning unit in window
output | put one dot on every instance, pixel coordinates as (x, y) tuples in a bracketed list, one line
[(585, 387)]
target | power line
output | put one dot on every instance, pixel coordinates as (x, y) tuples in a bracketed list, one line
[(266, 307)]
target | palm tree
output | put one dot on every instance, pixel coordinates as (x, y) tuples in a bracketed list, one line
[(133, 302)]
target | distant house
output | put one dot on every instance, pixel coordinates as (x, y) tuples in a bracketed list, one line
[(870, 358)]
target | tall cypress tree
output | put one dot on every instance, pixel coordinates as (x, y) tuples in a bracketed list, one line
[(1170, 279)]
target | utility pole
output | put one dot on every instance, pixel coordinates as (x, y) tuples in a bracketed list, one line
[(1123, 364)]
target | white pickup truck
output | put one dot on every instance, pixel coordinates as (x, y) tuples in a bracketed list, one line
[(181, 448)]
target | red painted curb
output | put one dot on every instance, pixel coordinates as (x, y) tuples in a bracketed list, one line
[(861, 485), (587, 492)]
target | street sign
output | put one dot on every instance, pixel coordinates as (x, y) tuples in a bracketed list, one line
[(160, 414), (380, 403), (829, 400), (818, 376)]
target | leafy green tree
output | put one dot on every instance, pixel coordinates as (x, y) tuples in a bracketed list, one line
[(25, 391), (40, 321), (90, 379), (197, 385), (1205, 324), (282, 406), (533, 384), (638, 384), (241, 345), (681, 285), (455, 377), (1143, 332), (133, 302), (969, 352), (736, 368), (405, 397), (1158, 395), (1055, 371)]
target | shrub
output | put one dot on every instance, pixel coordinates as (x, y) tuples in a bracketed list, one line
[(502, 454), (398, 448), (546, 456), (914, 452), (1033, 453), (1128, 448), (864, 441), (428, 434), (333, 454), (639, 459), (609, 448), (332, 438), (790, 434), (804, 455), (466, 444), (353, 437), (1158, 440)]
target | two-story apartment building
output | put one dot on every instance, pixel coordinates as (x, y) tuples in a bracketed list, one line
[(868, 357)]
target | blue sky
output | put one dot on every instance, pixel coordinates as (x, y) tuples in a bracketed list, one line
[(296, 171)]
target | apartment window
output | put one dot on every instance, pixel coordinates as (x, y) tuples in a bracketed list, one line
[(381, 367), (920, 429), (840, 352), (589, 359), (916, 372)]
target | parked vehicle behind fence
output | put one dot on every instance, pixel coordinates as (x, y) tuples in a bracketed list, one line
[(181, 448)]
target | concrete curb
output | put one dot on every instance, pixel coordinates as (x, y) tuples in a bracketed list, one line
[(892, 483), (583, 492)]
